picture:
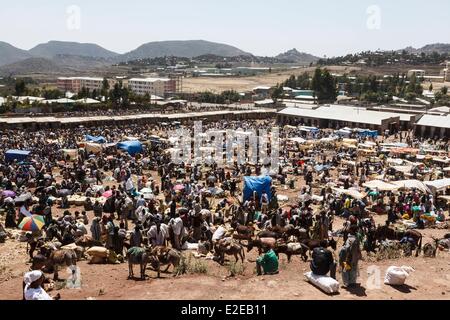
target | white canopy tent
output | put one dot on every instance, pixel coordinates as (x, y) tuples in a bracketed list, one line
[(380, 185), (412, 184), (438, 185), (350, 192), (297, 139)]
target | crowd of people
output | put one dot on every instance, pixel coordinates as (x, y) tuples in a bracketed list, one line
[(146, 200)]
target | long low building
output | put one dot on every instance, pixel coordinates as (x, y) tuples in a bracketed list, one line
[(339, 116), (70, 122), (433, 125)]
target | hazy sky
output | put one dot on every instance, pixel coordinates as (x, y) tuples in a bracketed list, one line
[(262, 27)]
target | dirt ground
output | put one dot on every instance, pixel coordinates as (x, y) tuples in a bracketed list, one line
[(431, 279), (241, 84)]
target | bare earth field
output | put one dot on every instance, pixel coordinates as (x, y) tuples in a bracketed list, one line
[(431, 280), (248, 83)]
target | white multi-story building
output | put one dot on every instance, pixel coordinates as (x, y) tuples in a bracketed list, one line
[(75, 84), (152, 86)]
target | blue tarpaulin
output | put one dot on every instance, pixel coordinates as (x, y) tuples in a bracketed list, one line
[(320, 168), (19, 155), (95, 139), (258, 184), (368, 133), (132, 147)]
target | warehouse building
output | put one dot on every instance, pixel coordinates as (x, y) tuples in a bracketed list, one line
[(338, 116)]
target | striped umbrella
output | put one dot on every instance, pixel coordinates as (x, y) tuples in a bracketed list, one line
[(34, 223)]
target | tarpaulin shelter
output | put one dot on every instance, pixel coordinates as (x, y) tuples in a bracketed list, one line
[(350, 192), (320, 168), (345, 133), (258, 184), (19, 155), (412, 184), (380, 185), (297, 139), (131, 147), (438, 185), (72, 153), (94, 139), (95, 148), (368, 133), (309, 129)]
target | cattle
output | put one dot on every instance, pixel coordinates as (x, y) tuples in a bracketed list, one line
[(140, 256), (279, 229), (269, 234), (413, 234), (384, 232), (300, 234), (160, 256), (228, 247), (293, 248), (263, 244), (245, 232), (312, 244)]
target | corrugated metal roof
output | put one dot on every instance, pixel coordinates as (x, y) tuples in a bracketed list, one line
[(343, 113), (435, 121)]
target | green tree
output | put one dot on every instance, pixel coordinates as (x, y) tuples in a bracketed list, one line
[(20, 87), (105, 88), (444, 90), (52, 94), (324, 85), (277, 92)]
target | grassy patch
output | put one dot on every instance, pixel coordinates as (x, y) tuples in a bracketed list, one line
[(188, 265), (236, 268)]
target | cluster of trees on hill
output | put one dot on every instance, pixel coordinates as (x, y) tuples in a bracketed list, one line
[(380, 58), (322, 83), (370, 88), (229, 96)]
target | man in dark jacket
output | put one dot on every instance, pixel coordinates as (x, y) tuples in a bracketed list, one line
[(323, 262)]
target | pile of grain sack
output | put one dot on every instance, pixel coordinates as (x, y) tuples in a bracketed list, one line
[(101, 255)]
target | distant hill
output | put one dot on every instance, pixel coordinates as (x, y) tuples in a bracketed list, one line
[(294, 56), (31, 65), (10, 54), (188, 49), (430, 48), (80, 62), (53, 48), (58, 64)]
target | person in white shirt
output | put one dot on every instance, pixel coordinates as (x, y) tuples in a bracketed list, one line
[(33, 287), (158, 234), (177, 228)]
